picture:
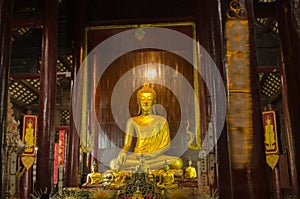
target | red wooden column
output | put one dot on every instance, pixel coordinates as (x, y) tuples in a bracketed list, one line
[(213, 19), (247, 169), (257, 172), (26, 183), (5, 50), (289, 32), (276, 184), (210, 32), (72, 172), (47, 97)]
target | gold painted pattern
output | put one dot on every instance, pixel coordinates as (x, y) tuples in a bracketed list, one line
[(239, 114)]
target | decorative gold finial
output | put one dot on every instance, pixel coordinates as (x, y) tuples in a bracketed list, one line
[(236, 10), (139, 33)]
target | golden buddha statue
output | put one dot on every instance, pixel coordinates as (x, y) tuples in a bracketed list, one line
[(93, 178), (108, 177), (167, 179), (270, 135), (153, 137), (29, 137), (118, 179), (190, 171)]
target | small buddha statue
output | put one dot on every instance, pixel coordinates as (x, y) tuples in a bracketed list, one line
[(108, 177), (150, 175), (152, 134), (29, 137), (93, 178), (119, 178), (167, 179), (190, 171)]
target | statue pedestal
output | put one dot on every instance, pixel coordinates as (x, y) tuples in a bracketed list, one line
[(192, 183), (140, 185)]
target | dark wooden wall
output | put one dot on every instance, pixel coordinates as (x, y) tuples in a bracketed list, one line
[(165, 97)]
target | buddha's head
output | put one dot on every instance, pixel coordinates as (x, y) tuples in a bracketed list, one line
[(146, 97), (29, 124), (166, 167), (94, 167), (189, 161)]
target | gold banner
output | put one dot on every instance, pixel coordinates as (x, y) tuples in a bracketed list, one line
[(29, 139), (271, 140), (239, 112)]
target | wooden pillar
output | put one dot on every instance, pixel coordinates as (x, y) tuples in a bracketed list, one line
[(276, 184), (258, 179), (47, 97), (72, 173), (6, 11), (72, 168), (210, 32), (26, 183), (252, 181), (247, 164), (209, 19), (289, 32)]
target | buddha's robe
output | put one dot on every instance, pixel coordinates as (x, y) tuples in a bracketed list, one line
[(153, 140)]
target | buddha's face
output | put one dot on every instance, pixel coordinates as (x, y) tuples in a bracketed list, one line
[(94, 168), (146, 100), (166, 167)]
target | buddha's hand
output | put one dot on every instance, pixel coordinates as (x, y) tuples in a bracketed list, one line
[(135, 156), (149, 156), (121, 158)]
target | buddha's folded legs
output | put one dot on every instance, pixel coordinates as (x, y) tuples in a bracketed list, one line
[(157, 163)]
